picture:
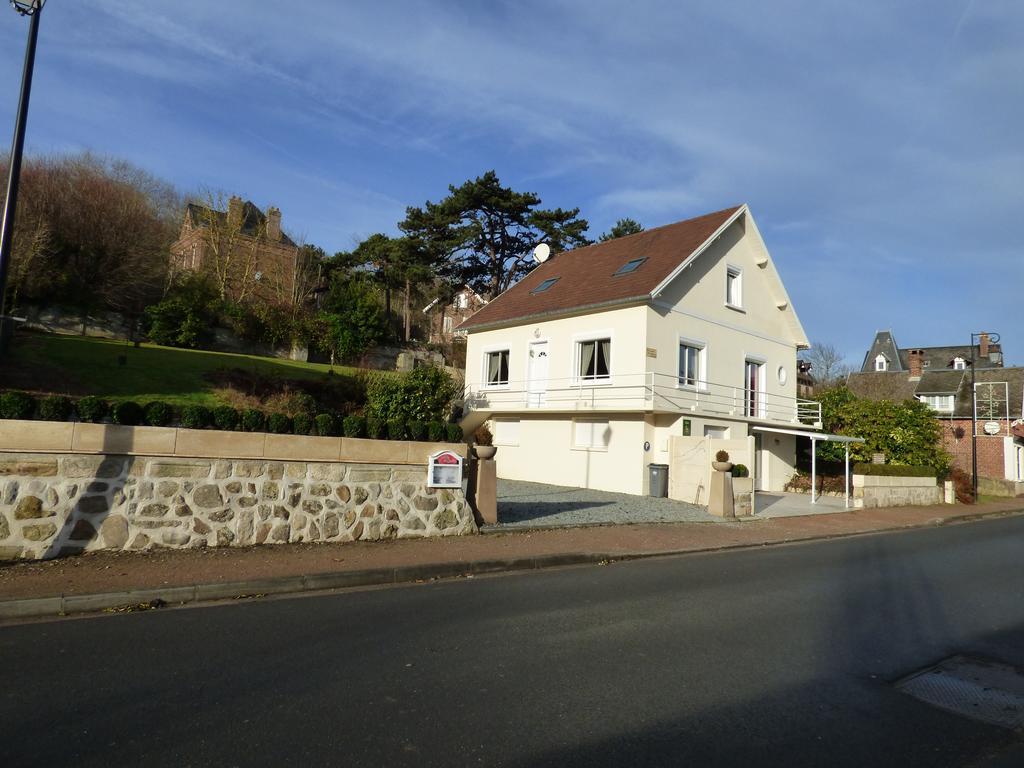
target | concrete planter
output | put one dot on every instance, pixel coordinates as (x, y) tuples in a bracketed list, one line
[(485, 451)]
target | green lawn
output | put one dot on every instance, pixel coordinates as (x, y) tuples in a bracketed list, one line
[(76, 365)]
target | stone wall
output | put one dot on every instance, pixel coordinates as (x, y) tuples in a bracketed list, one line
[(58, 504), (880, 491)]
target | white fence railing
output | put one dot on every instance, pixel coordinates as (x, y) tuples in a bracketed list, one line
[(644, 391)]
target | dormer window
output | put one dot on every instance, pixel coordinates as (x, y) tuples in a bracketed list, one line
[(881, 363), (630, 266), (959, 364), (545, 285)]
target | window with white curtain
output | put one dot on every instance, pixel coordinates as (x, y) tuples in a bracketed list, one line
[(496, 368), (938, 402), (595, 359)]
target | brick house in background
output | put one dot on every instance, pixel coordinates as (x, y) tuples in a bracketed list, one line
[(445, 318), (244, 250), (941, 378)]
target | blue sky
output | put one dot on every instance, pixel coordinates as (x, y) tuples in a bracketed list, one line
[(878, 143)]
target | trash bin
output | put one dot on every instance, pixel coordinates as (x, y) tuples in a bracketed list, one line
[(658, 477)]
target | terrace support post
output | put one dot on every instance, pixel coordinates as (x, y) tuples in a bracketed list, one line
[(814, 470), (846, 478)]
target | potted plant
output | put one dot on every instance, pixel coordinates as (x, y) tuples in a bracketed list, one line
[(483, 443), (721, 462)]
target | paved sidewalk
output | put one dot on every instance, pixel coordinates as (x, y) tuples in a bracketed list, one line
[(224, 572)]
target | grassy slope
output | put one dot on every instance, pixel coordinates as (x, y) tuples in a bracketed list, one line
[(77, 365)]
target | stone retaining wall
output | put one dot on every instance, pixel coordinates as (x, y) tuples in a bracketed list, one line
[(59, 504), (880, 491)]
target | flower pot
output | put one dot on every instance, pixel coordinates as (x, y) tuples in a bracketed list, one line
[(722, 466), (485, 451)]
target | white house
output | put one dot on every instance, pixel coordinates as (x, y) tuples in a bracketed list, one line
[(658, 347)]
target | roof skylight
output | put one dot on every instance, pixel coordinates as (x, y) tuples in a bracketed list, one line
[(545, 285), (630, 266)]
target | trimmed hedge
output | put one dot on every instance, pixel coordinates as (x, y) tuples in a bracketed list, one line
[(158, 414), (195, 417), (226, 418), (302, 424), (354, 426), (253, 420), (91, 408), (127, 413), (17, 405), (893, 470), (279, 424), (55, 408), (740, 470)]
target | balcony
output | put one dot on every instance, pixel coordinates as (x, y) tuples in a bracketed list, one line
[(645, 392)]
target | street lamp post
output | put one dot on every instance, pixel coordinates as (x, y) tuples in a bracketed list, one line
[(33, 9), (993, 338)]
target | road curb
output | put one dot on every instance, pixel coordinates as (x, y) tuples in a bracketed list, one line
[(180, 595)]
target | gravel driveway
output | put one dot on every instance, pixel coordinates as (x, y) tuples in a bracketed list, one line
[(536, 505)]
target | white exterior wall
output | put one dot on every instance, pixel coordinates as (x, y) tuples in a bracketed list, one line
[(626, 328), (544, 453)]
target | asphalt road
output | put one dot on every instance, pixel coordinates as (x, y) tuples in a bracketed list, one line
[(782, 656)]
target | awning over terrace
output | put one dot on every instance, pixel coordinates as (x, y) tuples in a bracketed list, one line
[(815, 438)]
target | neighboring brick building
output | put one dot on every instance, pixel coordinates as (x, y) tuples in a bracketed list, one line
[(941, 377), (444, 318), (244, 250)]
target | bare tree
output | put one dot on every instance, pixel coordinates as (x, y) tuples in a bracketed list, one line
[(828, 366), (232, 237)]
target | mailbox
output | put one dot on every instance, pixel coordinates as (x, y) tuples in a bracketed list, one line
[(444, 470)]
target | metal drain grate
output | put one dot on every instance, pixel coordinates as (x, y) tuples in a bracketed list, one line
[(981, 690)]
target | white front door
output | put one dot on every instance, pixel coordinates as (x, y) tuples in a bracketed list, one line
[(537, 374)]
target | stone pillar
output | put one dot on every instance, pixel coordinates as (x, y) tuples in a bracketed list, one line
[(483, 491), (720, 501)]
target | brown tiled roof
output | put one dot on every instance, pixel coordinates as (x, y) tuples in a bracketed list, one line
[(586, 275), (895, 386)]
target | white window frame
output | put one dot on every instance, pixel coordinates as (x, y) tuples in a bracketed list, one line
[(734, 278), (932, 402), (702, 363), (959, 364), (600, 446), (485, 355), (578, 341), (761, 411), (881, 363)]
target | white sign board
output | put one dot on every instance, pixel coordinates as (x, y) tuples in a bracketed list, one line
[(992, 428), (444, 470)]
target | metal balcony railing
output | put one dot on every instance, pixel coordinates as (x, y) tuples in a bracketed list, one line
[(641, 392)]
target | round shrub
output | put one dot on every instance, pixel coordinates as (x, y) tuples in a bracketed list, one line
[(279, 424), (55, 408), (722, 456), (396, 429), (158, 414), (225, 417), (17, 405), (454, 433), (302, 424), (740, 470), (127, 412), (354, 426), (91, 408), (195, 417), (326, 425), (417, 430), (435, 431), (376, 428), (253, 420)]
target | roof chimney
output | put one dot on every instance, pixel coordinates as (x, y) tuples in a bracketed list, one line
[(983, 344), (916, 356), (235, 212), (273, 224)]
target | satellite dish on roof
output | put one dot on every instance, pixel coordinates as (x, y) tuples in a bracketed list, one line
[(541, 253)]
